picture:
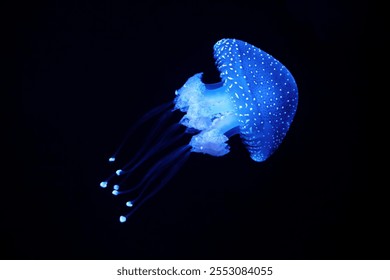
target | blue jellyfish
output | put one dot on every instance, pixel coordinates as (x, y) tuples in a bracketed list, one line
[(256, 98)]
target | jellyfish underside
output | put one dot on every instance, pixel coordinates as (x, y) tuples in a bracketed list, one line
[(210, 111)]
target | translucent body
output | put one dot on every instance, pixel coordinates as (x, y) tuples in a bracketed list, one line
[(257, 98)]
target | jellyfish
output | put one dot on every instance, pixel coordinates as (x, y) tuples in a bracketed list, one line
[(256, 99)]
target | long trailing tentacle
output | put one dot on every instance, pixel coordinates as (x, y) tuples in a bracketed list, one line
[(148, 149), (168, 138), (158, 141), (169, 165), (163, 108)]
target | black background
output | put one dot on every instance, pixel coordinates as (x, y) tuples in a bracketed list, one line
[(79, 73)]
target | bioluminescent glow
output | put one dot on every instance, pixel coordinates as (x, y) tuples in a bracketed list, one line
[(256, 98)]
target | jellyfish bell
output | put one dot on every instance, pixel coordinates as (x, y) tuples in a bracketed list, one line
[(257, 99)]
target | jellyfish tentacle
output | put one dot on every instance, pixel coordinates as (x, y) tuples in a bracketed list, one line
[(148, 149), (178, 156), (152, 113), (168, 138), (159, 146), (155, 171)]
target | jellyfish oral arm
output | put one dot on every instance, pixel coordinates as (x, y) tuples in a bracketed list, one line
[(210, 111)]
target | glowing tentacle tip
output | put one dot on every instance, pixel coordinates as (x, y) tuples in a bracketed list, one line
[(116, 187), (119, 172), (122, 219), (129, 204), (103, 184), (111, 159), (115, 192)]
